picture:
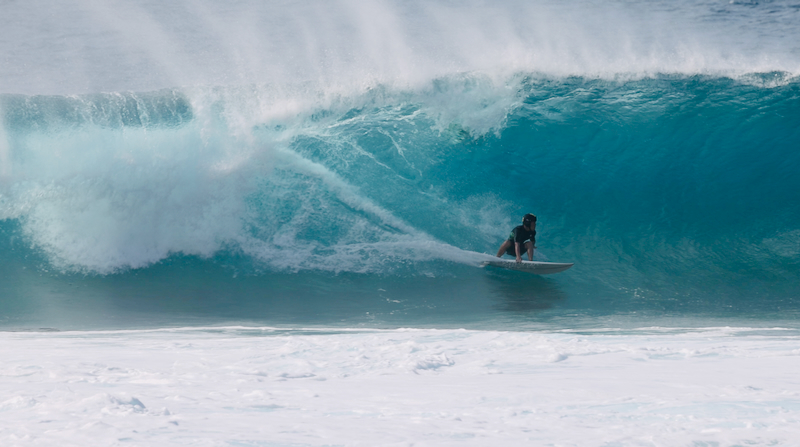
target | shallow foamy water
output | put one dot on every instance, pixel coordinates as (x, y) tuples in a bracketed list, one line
[(240, 386)]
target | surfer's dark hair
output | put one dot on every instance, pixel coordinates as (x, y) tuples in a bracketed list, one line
[(528, 219)]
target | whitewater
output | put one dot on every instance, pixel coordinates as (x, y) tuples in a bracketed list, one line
[(264, 386), (262, 224)]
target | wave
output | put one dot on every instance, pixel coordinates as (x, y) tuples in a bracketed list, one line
[(665, 186)]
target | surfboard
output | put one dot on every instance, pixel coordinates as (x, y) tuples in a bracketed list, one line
[(538, 267)]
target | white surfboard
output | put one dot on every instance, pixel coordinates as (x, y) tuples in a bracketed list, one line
[(538, 267)]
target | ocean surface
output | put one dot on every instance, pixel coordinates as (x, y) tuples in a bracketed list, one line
[(292, 200)]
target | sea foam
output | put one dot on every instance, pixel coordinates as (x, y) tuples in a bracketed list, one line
[(252, 386)]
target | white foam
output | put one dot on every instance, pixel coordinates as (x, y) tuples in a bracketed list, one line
[(725, 386), (99, 199), (108, 199)]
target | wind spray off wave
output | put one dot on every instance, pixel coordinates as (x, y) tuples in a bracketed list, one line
[(341, 47)]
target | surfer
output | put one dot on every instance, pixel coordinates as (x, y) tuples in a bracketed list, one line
[(522, 237)]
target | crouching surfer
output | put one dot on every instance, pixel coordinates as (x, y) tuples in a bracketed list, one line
[(523, 237)]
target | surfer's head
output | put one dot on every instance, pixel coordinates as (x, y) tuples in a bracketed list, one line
[(528, 220)]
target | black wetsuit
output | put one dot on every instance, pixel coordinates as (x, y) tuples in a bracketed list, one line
[(520, 234)]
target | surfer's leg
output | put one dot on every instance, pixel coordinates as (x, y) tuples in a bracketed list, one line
[(529, 246), (504, 248)]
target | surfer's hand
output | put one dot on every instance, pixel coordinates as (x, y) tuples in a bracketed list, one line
[(519, 259)]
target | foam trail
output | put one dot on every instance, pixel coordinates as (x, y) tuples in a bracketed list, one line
[(344, 191)]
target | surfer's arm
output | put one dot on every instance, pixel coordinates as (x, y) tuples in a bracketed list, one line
[(518, 251)]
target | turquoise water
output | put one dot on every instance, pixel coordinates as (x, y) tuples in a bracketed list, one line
[(346, 198)]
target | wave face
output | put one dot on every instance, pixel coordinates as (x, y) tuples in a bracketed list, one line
[(666, 172)]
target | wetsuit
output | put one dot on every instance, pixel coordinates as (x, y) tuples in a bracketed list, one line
[(520, 234)]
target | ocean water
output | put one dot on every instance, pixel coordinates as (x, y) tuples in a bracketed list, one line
[(262, 223)]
